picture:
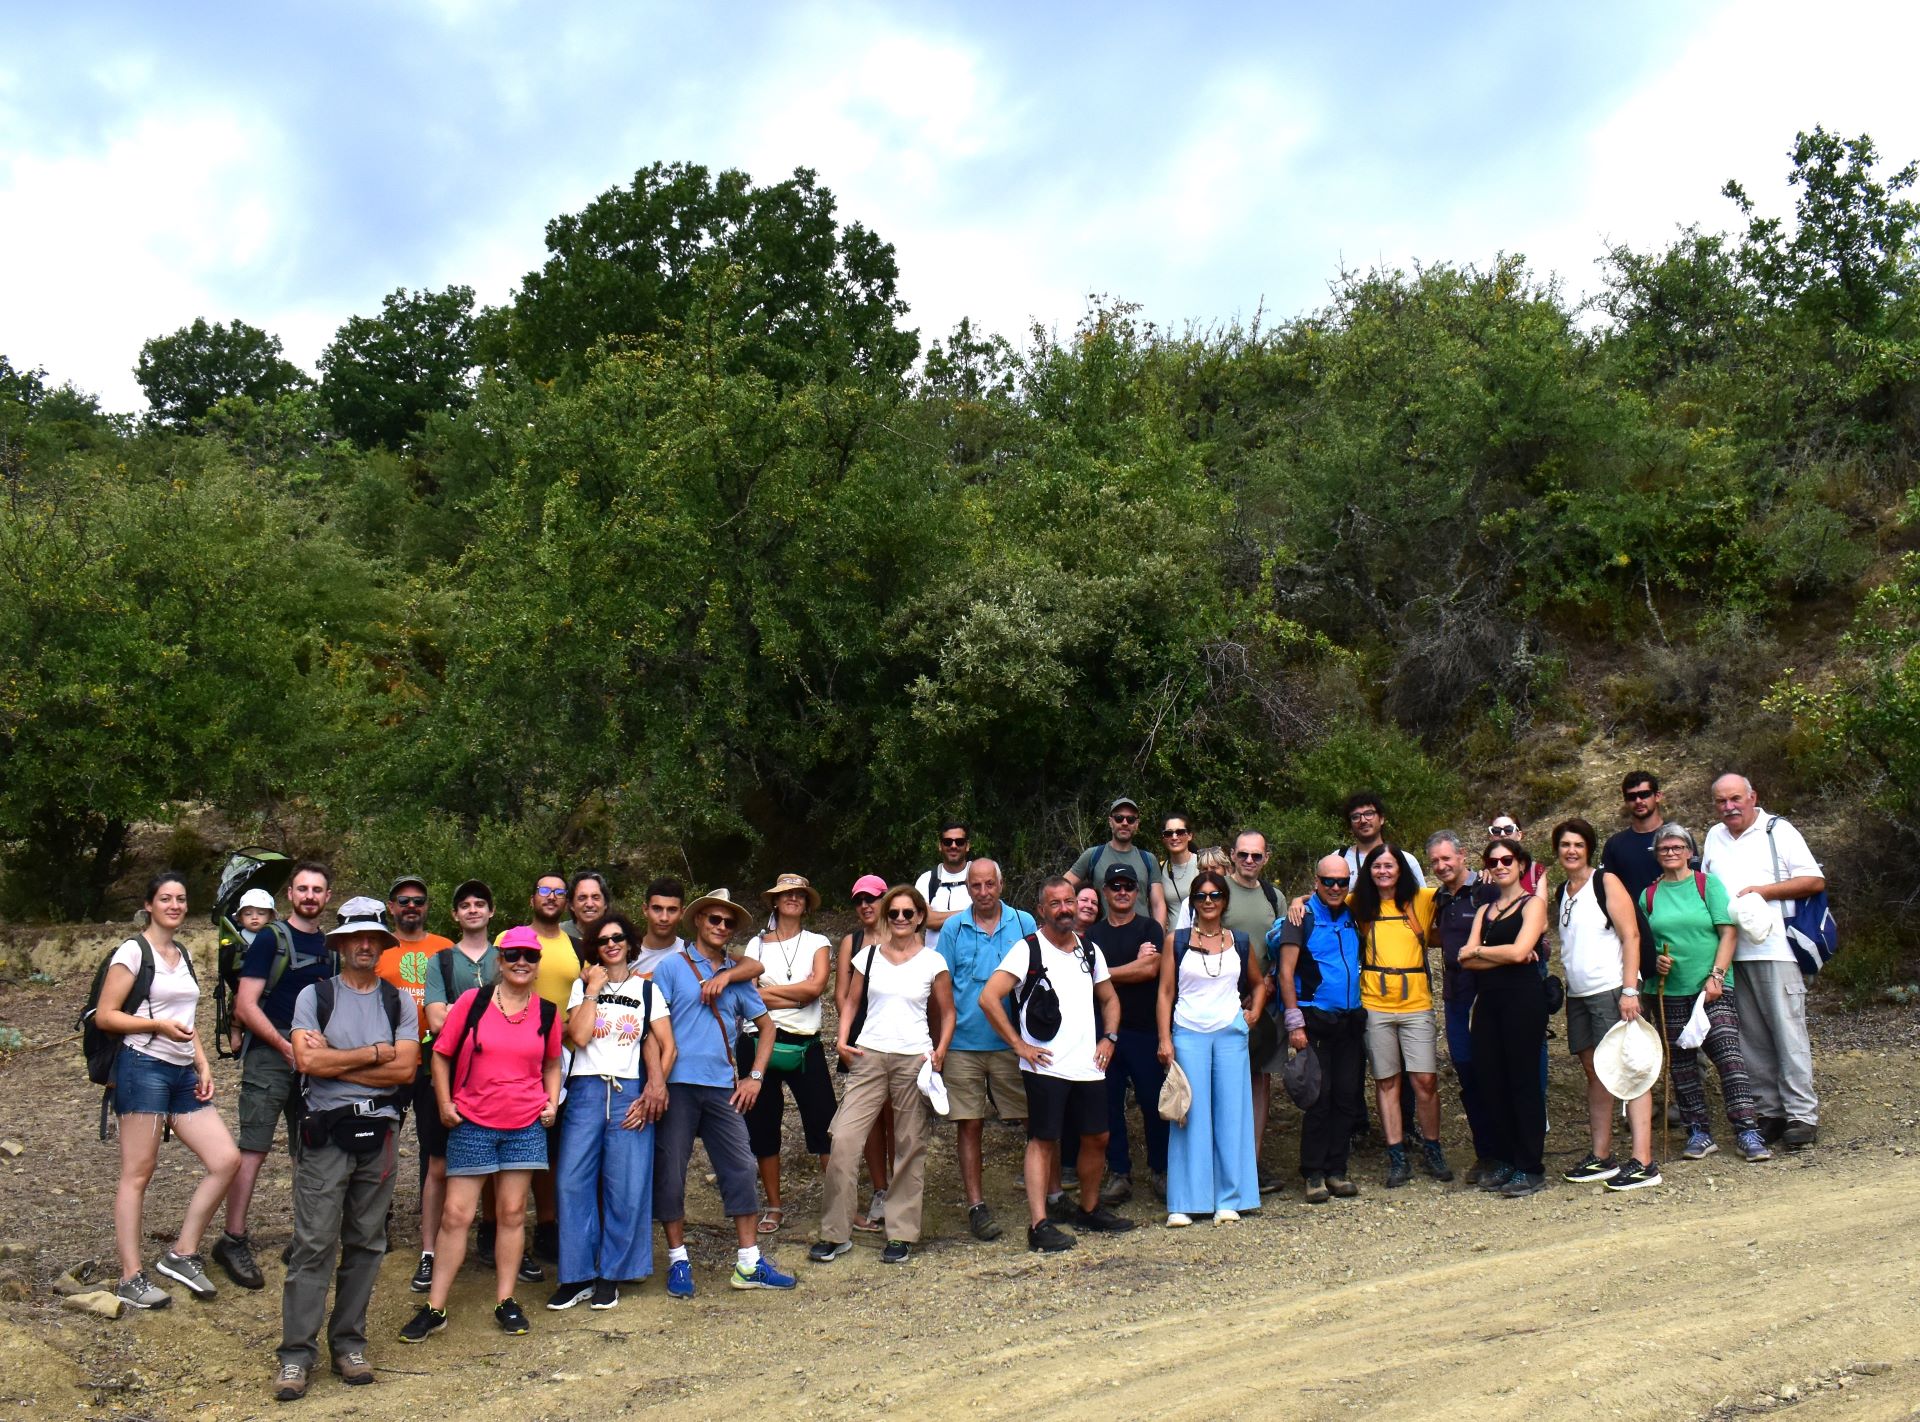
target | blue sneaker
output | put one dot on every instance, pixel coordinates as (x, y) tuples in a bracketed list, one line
[(1753, 1147), (762, 1276), (1699, 1145), (680, 1279)]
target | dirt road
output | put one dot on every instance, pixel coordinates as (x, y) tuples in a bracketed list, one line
[(1732, 1290)]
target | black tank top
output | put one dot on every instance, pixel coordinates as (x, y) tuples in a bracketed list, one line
[(1504, 932)]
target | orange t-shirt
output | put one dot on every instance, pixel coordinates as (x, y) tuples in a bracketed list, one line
[(405, 966)]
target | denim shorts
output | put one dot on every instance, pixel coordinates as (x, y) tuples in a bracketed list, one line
[(144, 1085), (488, 1150)]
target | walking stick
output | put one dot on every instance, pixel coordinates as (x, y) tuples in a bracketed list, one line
[(1666, 1075)]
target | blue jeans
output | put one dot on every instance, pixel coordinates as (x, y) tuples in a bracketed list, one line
[(604, 1181), (1210, 1160), (1136, 1059)]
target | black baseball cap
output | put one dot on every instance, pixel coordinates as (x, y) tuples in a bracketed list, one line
[(1121, 874), (469, 889)]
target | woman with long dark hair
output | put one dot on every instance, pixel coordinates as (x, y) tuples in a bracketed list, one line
[(1509, 1027), (621, 1030), (1394, 916), (161, 1075)]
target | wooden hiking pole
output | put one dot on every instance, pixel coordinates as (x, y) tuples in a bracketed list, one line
[(1666, 1072)]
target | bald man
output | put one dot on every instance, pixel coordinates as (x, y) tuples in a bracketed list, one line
[(1320, 1003)]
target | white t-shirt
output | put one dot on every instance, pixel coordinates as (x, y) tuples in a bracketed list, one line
[(175, 997), (897, 996), (1589, 948), (1072, 1046), (947, 895), (1749, 860), (789, 961), (617, 1028), (646, 959), (1209, 983)]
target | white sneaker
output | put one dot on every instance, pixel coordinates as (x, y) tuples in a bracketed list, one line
[(1226, 1217), (1176, 1220)]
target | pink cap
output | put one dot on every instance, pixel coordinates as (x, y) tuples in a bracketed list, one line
[(520, 938), (869, 884)]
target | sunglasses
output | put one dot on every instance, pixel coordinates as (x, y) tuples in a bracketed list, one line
[(1327, 883), (1249, 856), (719, 920), (949, 842), (1125, 819), (412, 901), (1500, 861), (1207, 896), (520, 955), (1501, 831), (905, 915), (607, 938), (862, 900), (1641, 794), (1123, 888), (550, 893), (1170, 833)]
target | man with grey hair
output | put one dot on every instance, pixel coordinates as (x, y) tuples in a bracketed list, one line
[(1754, 852), (1459, 893), (981, 1071)]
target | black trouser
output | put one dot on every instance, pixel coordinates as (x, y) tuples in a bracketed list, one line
[(812, 1087), (1339, 1040), (1509, 1026)]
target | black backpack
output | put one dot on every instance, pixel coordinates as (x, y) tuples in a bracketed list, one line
[(1036, 999), (483, 995), (1649, 951), (98, 1045), (1183, 942), (860, 1009)]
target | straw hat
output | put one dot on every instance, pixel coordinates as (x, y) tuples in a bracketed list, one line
[(1627, 1061), (690, 917), (788, 882)]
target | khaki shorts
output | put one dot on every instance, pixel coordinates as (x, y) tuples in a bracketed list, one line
[(1400, 1041), (979, 1083), (1588, 1019), (267, 1093)]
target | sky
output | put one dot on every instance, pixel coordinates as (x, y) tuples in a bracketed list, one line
[(288, 165)]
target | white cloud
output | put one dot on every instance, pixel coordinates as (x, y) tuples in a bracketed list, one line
[(107, 248)]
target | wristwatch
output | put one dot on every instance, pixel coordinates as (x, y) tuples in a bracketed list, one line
[(756, 1075), (1629, 992), (1113, 1037)]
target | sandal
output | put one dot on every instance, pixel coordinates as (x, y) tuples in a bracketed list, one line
[(875, 1219), (771, 1218)]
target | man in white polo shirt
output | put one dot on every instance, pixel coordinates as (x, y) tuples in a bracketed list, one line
[(1753, 852), (1066, 1073)]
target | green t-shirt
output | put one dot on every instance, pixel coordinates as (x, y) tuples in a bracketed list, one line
[(1092, 865), (1252, 913), (1689, 929)]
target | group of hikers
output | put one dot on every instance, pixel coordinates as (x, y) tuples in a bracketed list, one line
[(563, 1069)]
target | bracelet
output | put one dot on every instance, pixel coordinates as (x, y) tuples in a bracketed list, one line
[(1296, 1020)]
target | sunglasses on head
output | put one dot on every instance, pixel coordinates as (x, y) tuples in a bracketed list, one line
[(1330, 883), (520, 955), (1208, 895), (412, 901), (903, 915)]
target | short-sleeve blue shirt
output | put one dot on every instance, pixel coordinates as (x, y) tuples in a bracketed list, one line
[(701, 1047), (972, 957)]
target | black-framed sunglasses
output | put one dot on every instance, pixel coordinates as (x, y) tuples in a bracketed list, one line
[(1125, 819), (412, 901), (1500, 861), (1327, 883), (616, 937), (1640, 794), (862, 900), (903, 915), (1207, 896), (520, 955), (1170, 833), (949, 842), (719, 920)]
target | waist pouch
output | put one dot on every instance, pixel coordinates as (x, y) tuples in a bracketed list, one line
[(346, 1129)]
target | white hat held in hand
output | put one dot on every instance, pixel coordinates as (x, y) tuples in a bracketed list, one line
[(932, 1087), (1627, 1061)]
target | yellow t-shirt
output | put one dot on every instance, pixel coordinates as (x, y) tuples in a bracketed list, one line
[(1397, 944), (559, 967)]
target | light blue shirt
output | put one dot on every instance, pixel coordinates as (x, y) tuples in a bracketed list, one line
[(698, 1038), (972, 957)]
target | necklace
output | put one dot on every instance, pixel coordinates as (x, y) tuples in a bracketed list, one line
[(1212, 964), (518, 1012), (792, 959)]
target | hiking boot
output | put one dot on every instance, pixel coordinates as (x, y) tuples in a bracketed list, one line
[(1316, 1191), (1635, 1176), (1116, 1190), (188, 1269), (530, 1270), (511, 1317), (138, 1293), (1433, 1160), (680, 1279), (1772, 1128), (483, 1251), (980, 1221), (290, 1383), (1341, 1188), (825, 1251), (1059, 1208), (1048, 1238), (567, 1295), (1798, 1135), (761, 1276), (1522, 1185), (1102, 1220), (1398, 1171), (424, 1324), (422, 1279), (606, 1295), (1482, 1168), (1497, 1179), (1699, 1145), (234, 1254), (353, 1368), (1594, 1170), (896, 1252), (1753, 1150)]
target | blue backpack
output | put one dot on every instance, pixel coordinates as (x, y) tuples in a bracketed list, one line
[(1812, 933)]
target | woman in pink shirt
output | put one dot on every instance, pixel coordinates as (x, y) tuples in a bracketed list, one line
[(496, 1075)]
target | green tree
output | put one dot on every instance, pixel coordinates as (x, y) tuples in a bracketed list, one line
[(183, 375), (383, 375), (807, 298)]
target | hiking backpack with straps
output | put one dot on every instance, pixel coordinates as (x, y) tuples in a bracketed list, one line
[(100, 1047), (1183, 944), (1812, 934), (1648, 953), (324, 998), (1036, 999), (1146, 884), (469, 1030)]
